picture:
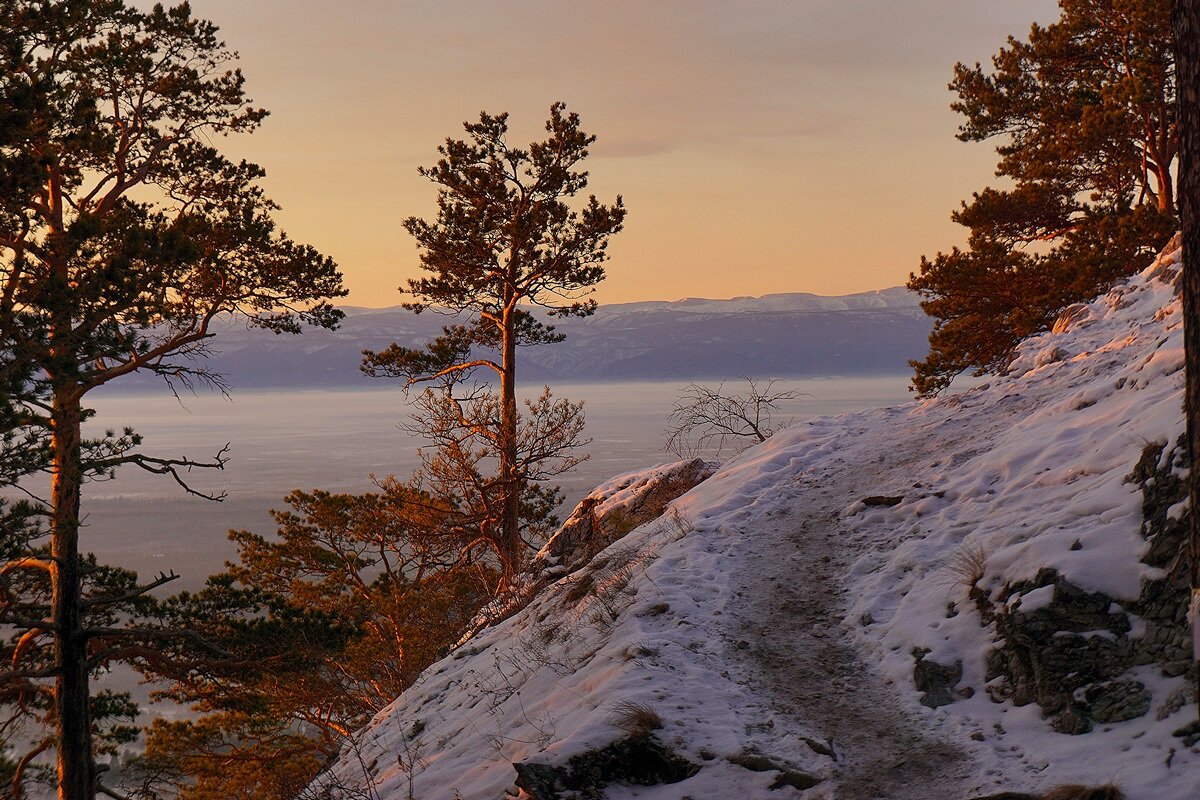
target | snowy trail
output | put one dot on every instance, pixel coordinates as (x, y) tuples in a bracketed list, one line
[(814, 676), (792, 586)]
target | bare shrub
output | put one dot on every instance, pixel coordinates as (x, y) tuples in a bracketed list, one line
[(581, 585), (610, 597), (676, 524), (707, 420), (327, 786)]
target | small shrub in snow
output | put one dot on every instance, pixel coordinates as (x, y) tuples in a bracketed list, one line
[(967, 567), (636, 719)]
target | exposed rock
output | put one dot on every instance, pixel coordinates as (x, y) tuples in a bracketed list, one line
[(604, 516), (1069, 642), (1173, 669), (1066, 648), (823, 748), (1190, 733), (1049, 355), (634, 760), (786, 777), (883, 500), (538, 781), (1175, 701), (1073, 316), (1162, 604), (1117, 701), (1167, 266), (795, 779), (1076, 792), (1072, 792), (601, 519), (1072, 720), (1158, 475), (936, 681)]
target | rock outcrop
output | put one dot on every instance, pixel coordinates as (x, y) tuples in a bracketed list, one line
[(610, 511), (613, 510), (640, 760), (1067, 649)]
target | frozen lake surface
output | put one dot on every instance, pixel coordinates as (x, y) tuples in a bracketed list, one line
[(307, 439)]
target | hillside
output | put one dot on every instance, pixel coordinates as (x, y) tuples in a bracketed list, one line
[(948, 599), (783, 335)]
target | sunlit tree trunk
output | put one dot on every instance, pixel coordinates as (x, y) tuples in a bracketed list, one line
[(1185, 18)]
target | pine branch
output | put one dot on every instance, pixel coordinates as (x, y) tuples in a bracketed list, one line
[(163, 578), (155, 633)]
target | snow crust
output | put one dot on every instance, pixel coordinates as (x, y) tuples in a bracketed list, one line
[(1028, 471)]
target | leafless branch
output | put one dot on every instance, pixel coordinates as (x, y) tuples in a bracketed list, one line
[(172, 467), (708, 420)]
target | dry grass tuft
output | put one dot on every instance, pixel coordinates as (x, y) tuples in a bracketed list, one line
[(968, 566), (582, 584), (675, 524), (636, 719)]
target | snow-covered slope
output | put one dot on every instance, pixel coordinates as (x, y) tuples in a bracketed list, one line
[(770, 617)]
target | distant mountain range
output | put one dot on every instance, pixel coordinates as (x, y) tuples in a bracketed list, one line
[(777, 335)]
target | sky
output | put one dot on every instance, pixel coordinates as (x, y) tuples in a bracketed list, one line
[(761, 146)]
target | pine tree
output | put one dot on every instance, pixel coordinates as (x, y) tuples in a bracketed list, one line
[(1083, 113), (505, 241), (124, 233), (328, 621)]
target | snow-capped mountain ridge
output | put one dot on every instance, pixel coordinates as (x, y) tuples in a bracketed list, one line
[(808, 335), (895, 297)]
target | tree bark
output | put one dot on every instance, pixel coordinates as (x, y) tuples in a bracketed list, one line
[(1166, 194), (510, 523), (1185, 20), (76, 779)]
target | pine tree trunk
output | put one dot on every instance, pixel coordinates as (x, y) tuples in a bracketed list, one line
[(71, 691), (1186, 23), (1166, 191), (510, 525)]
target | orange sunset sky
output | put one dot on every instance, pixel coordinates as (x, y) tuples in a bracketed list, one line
[(773, 146)]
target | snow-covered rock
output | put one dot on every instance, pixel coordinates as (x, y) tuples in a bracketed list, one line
[(613, 509), (999, 487)]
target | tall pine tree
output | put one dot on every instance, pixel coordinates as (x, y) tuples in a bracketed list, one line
[(1083, 116), (124, 233), (505, 241)]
